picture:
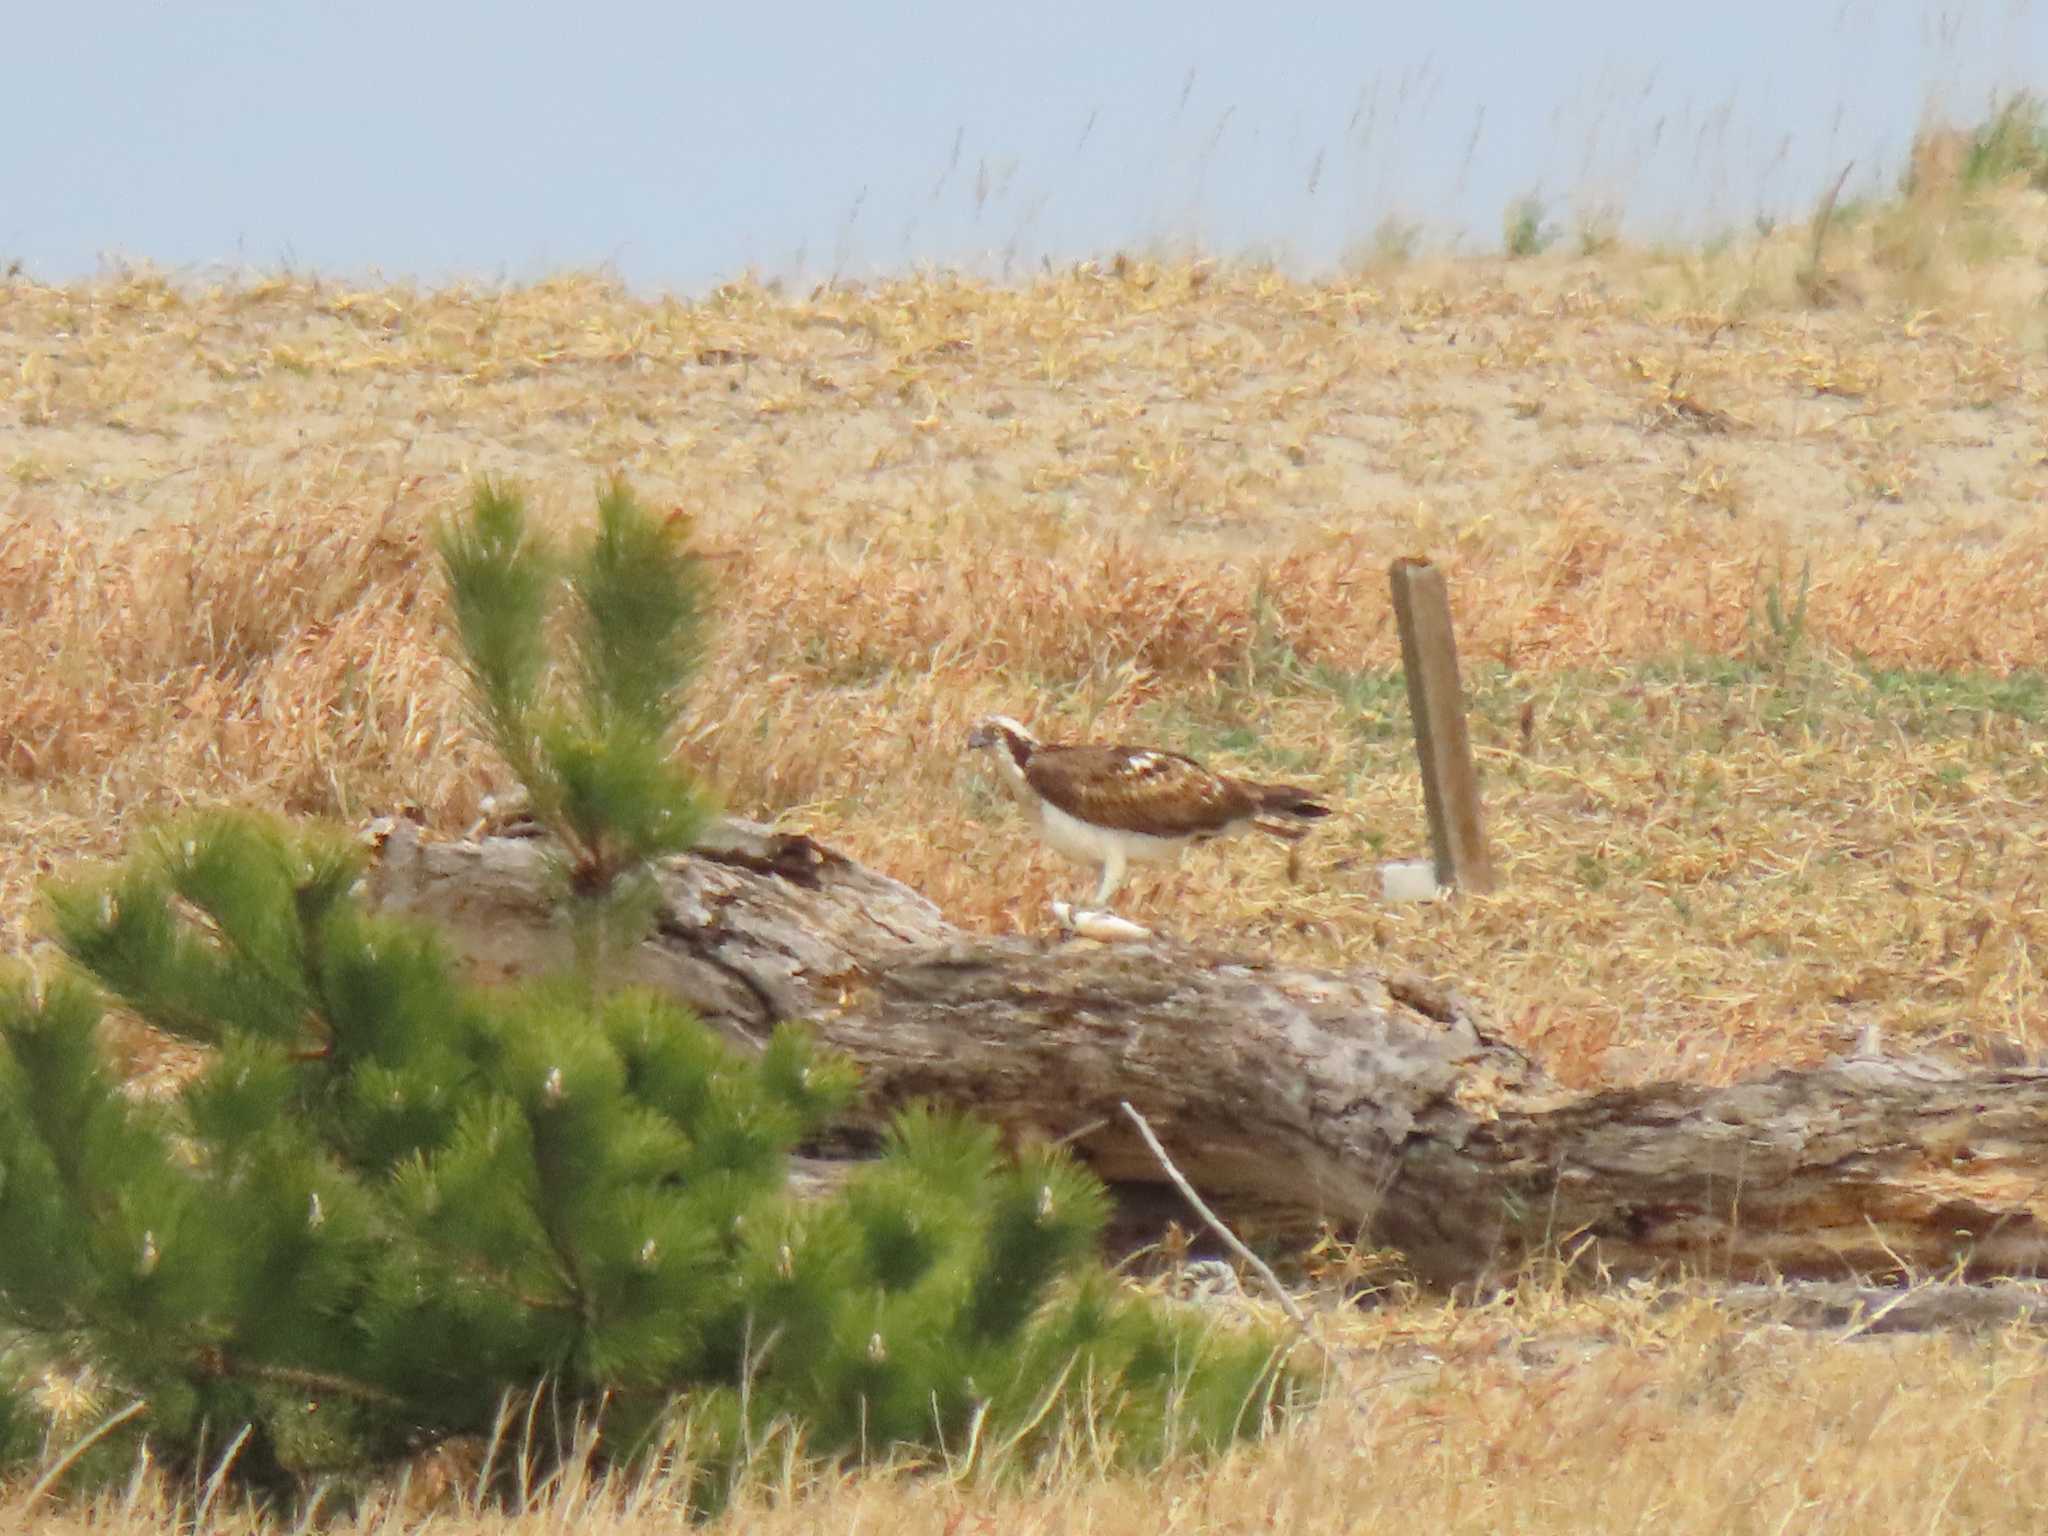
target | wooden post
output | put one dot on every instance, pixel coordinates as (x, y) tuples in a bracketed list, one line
[(1450, 784)]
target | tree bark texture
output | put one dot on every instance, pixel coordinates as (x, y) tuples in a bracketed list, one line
[(1291, 1096)]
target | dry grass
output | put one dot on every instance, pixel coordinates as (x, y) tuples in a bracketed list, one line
[(1158, 502), (1716, 856), (1534, 1413)]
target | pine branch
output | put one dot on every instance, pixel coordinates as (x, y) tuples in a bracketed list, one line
[(598, 775), (500, 578), (219, 1365), (640, 619)]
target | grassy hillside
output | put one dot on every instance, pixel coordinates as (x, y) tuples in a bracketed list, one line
[(1157, 503), (1749, 548)]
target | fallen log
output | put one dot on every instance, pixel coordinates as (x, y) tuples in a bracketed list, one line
[(1852, 1311), (1292, 1097)]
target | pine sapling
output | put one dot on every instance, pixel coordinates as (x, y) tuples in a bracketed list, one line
[(391, 1203), (591, 742)]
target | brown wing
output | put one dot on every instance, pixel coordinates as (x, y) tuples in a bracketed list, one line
[(1136, 790)]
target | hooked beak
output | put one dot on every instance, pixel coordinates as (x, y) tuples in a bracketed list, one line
[(979, 738)]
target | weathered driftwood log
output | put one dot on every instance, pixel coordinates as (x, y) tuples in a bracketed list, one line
[(1856, 1311), (1291, 1096)]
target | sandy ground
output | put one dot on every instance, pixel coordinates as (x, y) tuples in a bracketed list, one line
[(1209, 415)]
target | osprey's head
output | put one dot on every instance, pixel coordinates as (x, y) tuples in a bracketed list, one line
[(1001, 731)]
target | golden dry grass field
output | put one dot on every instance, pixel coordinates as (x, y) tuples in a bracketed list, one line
[(1736, 826)]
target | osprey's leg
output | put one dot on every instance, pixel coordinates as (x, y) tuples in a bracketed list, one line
[(1113, 866)]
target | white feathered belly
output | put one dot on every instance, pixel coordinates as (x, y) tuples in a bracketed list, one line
[(1091, 844)]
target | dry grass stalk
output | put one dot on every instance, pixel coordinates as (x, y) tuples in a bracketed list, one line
[(1541, 1412)]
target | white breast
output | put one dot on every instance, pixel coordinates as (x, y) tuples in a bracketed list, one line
[(1090, 844)]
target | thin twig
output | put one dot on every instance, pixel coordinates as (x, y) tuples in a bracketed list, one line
[(1230, 1240), (314, 1383), (1087, 1130)]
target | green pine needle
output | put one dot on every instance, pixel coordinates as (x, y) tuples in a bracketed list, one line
[(500, 579), (640, 600)]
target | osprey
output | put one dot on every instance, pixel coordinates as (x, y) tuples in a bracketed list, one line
[(1115, 806)]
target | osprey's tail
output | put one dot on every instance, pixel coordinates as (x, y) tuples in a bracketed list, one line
[(1285, 809)]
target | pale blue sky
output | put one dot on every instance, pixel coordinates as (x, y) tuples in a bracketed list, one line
[(680, 145)]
